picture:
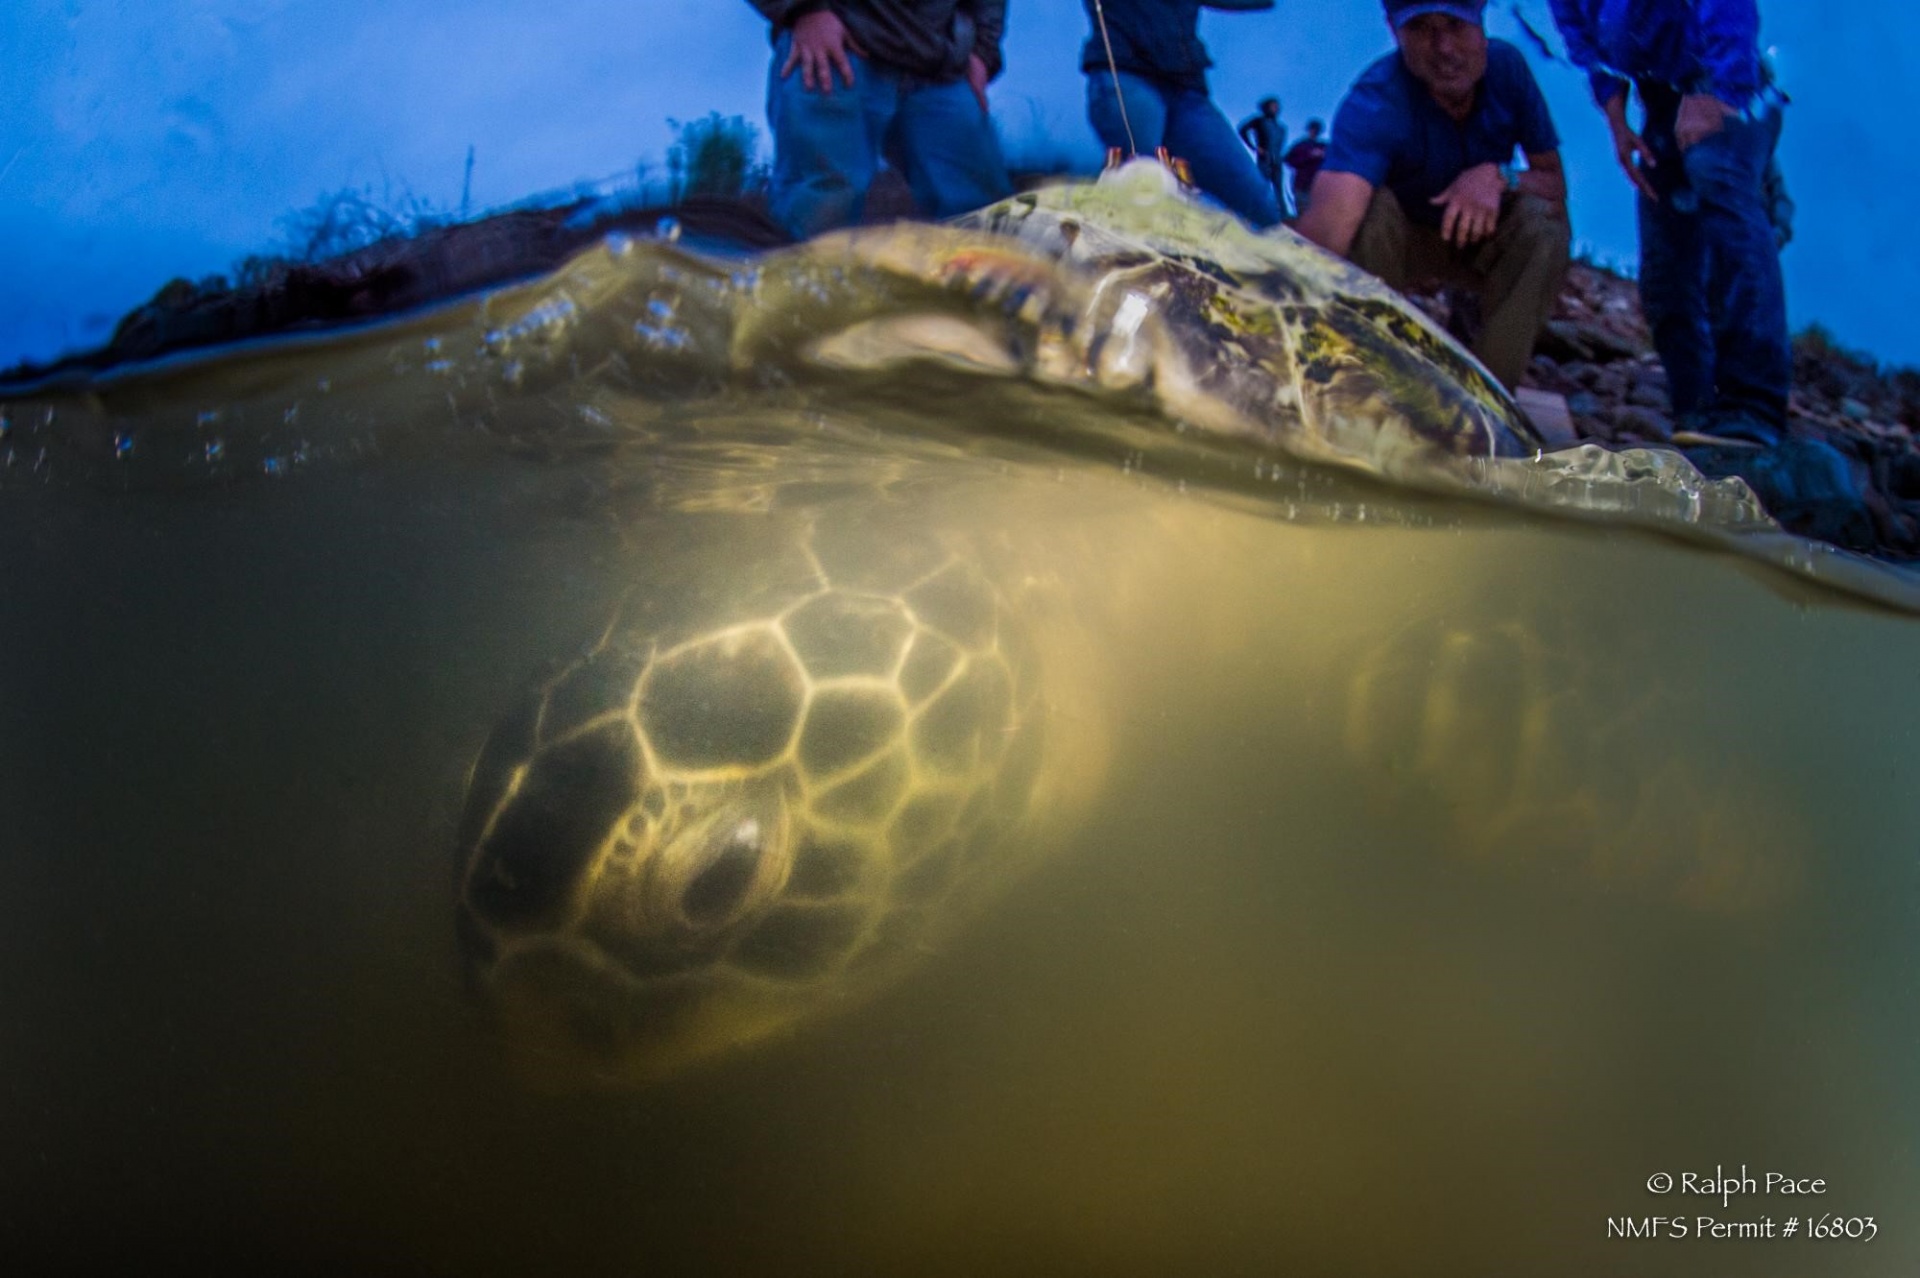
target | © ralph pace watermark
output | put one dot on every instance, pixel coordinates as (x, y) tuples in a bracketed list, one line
[(1795, 1207)]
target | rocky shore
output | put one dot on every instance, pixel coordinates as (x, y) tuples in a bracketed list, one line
[(1848, 474)]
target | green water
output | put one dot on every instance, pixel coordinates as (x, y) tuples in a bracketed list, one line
[(1432, 874)]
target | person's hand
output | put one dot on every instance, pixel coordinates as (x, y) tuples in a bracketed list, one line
[(1636, 158), (977, 80), (821, 43), (1701, 116), (1472, 203)]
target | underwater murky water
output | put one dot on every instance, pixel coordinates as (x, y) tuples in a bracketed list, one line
[(1420, 877)]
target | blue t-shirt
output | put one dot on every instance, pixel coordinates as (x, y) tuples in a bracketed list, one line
[(1391, 132)]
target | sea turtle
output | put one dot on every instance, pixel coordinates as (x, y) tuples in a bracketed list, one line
[(727, 817), (1125, 287)]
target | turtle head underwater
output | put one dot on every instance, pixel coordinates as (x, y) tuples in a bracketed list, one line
[(689, 837)]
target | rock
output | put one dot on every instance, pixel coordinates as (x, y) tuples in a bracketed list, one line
[(1583, 404), (1647, 424), (1647, 395), (1806, 484), (1548, 413), (1560, 340), (1593, 427)]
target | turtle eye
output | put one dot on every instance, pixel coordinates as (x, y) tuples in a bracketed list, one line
[(721, 887)]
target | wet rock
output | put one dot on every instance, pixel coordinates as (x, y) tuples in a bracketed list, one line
[(1807, 484), (1646, 395), (1593, 428), (1634, 419)]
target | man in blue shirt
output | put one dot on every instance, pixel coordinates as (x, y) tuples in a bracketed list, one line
[(1709, 265), (1419, 183), (1147, 88)]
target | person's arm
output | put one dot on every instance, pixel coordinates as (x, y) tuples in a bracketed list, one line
[(1247, 136), (1538, 140), (1579, 27), (1359, 161), (1635, 157), (1725, 33), (1545, 177), (1773, 184), (1727, 36), (1336, 204), (989, 26), (986, 61)]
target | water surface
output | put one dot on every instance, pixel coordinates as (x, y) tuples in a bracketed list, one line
[(1439, 871)]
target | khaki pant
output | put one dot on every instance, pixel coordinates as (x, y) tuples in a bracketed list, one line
[(1517, 272)]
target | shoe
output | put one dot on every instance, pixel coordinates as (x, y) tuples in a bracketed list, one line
[(1700, 439), (1743, 428)]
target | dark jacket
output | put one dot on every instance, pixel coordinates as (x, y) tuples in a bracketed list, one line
[(1156, 39), (1695, 46), (928, 38)]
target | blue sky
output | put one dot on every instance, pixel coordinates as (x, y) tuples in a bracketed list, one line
[(142, 139)]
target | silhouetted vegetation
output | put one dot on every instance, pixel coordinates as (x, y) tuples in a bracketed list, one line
[(716, 156)]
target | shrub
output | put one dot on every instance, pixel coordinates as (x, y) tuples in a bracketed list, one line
[(714, 155), (348, 220)]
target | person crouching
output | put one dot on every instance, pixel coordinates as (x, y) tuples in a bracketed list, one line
[(1419, 184)]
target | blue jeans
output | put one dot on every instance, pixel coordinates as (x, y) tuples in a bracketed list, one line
[(1186, 122), (1710, 276), (827, 147)]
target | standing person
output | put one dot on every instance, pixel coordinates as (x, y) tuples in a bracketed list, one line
[(1305, 158), (852, 80), (1152, 93), (1710, 279), (1266, 137), (1419, 182)]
